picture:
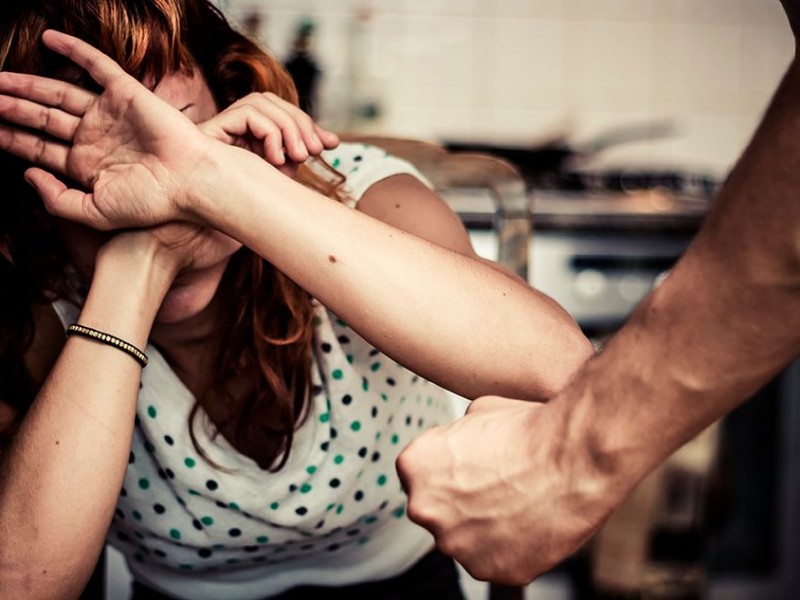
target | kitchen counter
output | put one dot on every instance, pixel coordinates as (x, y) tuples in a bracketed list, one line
[(553, 210), (645, 210)]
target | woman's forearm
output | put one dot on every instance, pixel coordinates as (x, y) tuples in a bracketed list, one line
[(61, 473), (452, 319)]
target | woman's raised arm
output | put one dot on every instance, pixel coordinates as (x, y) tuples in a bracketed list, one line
[(448, 316)]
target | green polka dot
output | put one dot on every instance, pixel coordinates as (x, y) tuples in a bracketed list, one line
[(186, 567), (262, 539), (137, 515), (350, 358), (138, 535), (233, 506), (232, 561), (305, 488), (311, 469), (274, 506), (377, 436), (384, 397), (336, 162), (337, 374), (151, 411), (207, 521), (375, 366), (330, 506), (189, 462), (363, 540), (338, 459), (149, 447), (382, 480), (355, 425), (174, 534), (339, 509), (194, 493), (364, 384), (371, 519), (395, 438), (430, 401), (340, 322), (398, 513), (144, 483), (324, 417)]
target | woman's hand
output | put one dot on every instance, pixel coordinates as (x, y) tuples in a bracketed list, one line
[(131, 149), (177, 247), (134, 151), (271, 127)]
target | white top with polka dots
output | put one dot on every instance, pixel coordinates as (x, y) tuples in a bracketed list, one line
[(335, 514)]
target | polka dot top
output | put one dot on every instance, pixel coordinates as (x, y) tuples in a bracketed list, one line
[(335, 514)]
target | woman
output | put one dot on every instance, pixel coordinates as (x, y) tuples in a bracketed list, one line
[(254, 454)]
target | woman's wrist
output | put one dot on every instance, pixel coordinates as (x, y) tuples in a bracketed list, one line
[(207, 196), (131, 278)]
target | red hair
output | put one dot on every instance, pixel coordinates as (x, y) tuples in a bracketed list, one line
[(270, 317)]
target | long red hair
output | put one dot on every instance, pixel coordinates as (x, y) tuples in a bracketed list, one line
[(270, 317)]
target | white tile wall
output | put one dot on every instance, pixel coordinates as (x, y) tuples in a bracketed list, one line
[(515, 70)]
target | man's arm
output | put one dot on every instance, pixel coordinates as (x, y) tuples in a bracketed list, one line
[(511, 489)]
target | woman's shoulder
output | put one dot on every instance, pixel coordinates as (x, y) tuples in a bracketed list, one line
[(364, 165)]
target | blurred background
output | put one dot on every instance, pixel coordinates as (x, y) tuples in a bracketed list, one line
[(526, 71), (622, 118)]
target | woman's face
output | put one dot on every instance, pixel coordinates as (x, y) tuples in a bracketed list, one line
[(193, 289)]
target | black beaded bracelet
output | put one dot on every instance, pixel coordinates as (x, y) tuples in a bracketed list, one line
[(109, 340)]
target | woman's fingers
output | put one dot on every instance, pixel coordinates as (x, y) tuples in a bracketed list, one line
[(329, 139), (52, 121), (283, 130), (49, 92), (102, 68), (49, 154), (298, 144), (62, 201), (304, 123)]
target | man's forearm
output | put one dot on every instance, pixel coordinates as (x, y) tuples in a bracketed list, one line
[(724, 322)]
